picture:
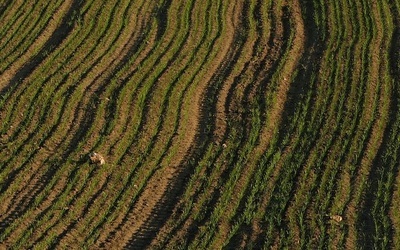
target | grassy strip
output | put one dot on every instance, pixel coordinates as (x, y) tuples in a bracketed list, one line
[(222, 29), (12, 26), (392, 160), (217, 169), (92, 212), (231, 177), (111, 42), (315, 161), (153, 153), (303, 143), (28, 34), (129, 176), (46, 129), (295, 130), (378, 233), (11, 12)]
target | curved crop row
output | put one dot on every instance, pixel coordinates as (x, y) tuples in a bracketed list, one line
[(223, 124)]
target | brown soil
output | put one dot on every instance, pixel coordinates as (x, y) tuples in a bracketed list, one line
[(167, 91)]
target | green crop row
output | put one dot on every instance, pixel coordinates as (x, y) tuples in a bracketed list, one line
[(224, 124), (203, 46), (381, 178), (27, 32), (98, 116)]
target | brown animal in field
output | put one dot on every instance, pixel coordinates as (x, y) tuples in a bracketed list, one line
[(96, 158), (336, 218)]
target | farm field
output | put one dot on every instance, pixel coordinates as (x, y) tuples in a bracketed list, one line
[(245, 124)]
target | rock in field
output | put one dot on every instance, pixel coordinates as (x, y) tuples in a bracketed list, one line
[(96, 158)]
